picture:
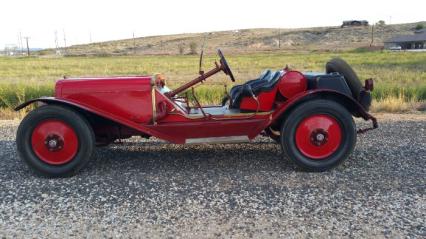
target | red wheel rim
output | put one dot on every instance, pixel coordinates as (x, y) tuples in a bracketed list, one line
[(318, 136), (54, 142)]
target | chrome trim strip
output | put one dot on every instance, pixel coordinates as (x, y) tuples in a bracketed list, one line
[(218, 140), (230, 116)]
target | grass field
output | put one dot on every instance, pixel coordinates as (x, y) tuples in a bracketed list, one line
[(400, 76)]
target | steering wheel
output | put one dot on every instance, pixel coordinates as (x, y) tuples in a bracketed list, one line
[(225, 65)]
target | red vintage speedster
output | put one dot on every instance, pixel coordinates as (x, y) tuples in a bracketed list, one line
[(309, 114)]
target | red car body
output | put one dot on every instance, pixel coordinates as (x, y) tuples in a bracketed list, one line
[(121, 107), (129, 101)]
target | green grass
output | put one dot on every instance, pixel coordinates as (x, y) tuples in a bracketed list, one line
[(397, 74), (14, 94)]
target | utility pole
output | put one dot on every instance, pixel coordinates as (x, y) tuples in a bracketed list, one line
[(28, 47), (90, 36), (65, 41), (56, 42), (21, 45), (372, 35), (134, 44), (279, 38)]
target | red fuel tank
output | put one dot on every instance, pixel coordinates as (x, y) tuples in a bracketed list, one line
[(292, 83)]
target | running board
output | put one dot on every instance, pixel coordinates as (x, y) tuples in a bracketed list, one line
[(218, 140)]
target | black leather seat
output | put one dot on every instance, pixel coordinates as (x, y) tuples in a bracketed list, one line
[(265, 82)]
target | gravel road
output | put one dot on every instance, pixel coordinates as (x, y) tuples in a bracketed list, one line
[(152, 189)]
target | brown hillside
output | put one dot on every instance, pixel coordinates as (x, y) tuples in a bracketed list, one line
[(249, 40)]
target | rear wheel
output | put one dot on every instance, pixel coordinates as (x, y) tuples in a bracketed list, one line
[(55, 141), (318, 135)]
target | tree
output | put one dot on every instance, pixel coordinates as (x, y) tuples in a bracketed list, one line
[(193, 48), (381, 23), (420, 26), (181, 47)]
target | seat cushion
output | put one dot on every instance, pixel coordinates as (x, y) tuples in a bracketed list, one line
[(267, 85), (238, 94), (265, 82), (265, 76)]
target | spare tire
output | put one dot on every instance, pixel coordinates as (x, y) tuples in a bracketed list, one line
[(343, 68)]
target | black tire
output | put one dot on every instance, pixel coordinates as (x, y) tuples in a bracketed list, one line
[(351, 78), (318, 107), (79, 125)]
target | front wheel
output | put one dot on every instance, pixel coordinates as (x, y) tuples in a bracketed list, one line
[(318, 135), (55, 141)]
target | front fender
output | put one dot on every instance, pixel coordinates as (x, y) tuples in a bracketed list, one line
[(348, 102), (45, 100), (99, 112)]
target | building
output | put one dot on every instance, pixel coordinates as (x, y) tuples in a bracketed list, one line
[(354, 23), (407, 42), (11, 50)]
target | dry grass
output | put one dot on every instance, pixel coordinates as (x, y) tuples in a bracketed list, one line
[(10, 114), (396, 105)]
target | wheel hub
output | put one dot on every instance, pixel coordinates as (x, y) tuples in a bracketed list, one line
[(318, 136), (54, 142)]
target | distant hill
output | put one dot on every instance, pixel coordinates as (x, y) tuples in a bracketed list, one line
[(248, 40)]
